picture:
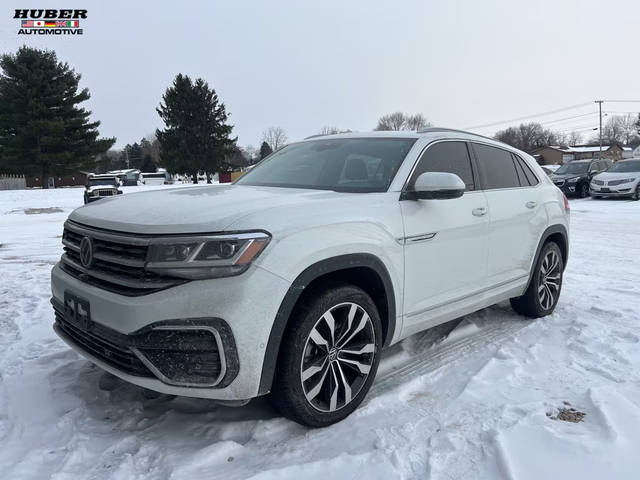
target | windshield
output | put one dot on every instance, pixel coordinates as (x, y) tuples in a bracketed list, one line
[(342, 164), (628, 166), (102, 181), (569, 168)]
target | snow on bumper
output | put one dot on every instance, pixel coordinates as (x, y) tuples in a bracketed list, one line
[(228, 299)]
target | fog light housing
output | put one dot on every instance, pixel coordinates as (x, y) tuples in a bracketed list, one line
[(184, 355)]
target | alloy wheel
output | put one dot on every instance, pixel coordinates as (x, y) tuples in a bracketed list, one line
[(550, 279), (338, 356)]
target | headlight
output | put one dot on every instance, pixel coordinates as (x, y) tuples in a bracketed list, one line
[(573, 180), (205, 257), (627, 180)]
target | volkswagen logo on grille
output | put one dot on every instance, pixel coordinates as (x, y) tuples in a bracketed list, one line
[(86, 252)]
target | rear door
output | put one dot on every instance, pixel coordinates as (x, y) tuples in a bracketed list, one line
[(445, 240), (516, 214)]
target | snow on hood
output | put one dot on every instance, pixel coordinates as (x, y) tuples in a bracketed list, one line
[(189, 210)]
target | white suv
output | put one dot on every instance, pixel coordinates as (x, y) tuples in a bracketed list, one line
[(292, 280)]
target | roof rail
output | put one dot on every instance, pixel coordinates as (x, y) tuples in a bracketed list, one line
[(443, 129)]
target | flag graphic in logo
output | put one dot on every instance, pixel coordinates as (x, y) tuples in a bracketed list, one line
[(67, 23), (27, 23), (50, 24)]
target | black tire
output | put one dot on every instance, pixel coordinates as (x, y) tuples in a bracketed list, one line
[(536, 303), (583, 190), (636, 194), (299, 350)]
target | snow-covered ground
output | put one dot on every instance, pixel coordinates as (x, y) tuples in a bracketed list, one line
[(475, 400)]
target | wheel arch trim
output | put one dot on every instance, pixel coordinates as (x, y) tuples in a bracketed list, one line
[(552, 230), (311, 273)]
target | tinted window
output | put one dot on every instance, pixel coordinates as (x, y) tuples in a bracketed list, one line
[(527, 177), (450, 157), (341, 164), (496, 167)]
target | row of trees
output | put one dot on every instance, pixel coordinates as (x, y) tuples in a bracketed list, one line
[(618, 129), (45, 131)]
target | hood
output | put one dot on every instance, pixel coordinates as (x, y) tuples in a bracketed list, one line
[(101, 187), (607, 176), (205, 209), (566, 176)]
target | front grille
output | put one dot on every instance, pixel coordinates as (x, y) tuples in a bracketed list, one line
[(104, 192), (119, 261), (617, 182), (101, 346), (598, 182)]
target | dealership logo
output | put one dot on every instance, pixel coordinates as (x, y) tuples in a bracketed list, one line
[(49, 21)]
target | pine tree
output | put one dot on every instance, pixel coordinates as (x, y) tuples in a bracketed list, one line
[(265, 150), (197, 136), (42, 129)]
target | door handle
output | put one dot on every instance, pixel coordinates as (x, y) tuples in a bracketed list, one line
[(531, 204), (479, 212)]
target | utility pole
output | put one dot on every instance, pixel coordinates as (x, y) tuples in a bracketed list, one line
[(599, 102)]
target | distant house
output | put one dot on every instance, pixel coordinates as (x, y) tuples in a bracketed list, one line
[(74, 179), (557, 155)]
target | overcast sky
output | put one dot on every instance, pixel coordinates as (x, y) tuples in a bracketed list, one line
[(303, 65)]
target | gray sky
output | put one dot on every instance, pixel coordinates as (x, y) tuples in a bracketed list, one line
[(303, 65)]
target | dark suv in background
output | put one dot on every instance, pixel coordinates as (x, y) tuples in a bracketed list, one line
[(573, 178)]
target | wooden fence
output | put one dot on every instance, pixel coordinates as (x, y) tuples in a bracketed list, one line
[(12, 182)]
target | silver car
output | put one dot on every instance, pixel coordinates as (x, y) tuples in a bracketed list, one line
[(621, 180)]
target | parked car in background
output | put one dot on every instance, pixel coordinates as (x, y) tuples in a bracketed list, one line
[(161, 177), (621, 180), (292, 280), (573, 178), (546, 170), (128, 178), (101, 186)]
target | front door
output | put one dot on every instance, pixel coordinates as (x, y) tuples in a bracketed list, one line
[(445, 240)]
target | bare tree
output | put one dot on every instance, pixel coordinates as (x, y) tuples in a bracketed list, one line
[(417, 121), (402, 121), (331, 130), (529, 136), (619, 129), (276, 137), (573, 139)]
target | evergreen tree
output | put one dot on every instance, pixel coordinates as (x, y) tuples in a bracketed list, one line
[(197, 136), (265, 150), (42, 129)]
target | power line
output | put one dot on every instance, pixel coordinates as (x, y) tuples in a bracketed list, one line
[(569, 118), (542, 114), (621, 101)]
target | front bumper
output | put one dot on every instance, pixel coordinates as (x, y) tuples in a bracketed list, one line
[(120, 321), (623, 190)]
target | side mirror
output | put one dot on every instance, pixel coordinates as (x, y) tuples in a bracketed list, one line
[(436, 186)]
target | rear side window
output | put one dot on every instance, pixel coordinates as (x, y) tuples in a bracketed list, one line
[(497, 168), (450, 157), (527, 177)]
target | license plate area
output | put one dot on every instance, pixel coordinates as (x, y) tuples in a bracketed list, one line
[(606, 190), (77, 311)]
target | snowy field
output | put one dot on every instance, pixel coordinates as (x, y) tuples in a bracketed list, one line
[(478, 399)]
